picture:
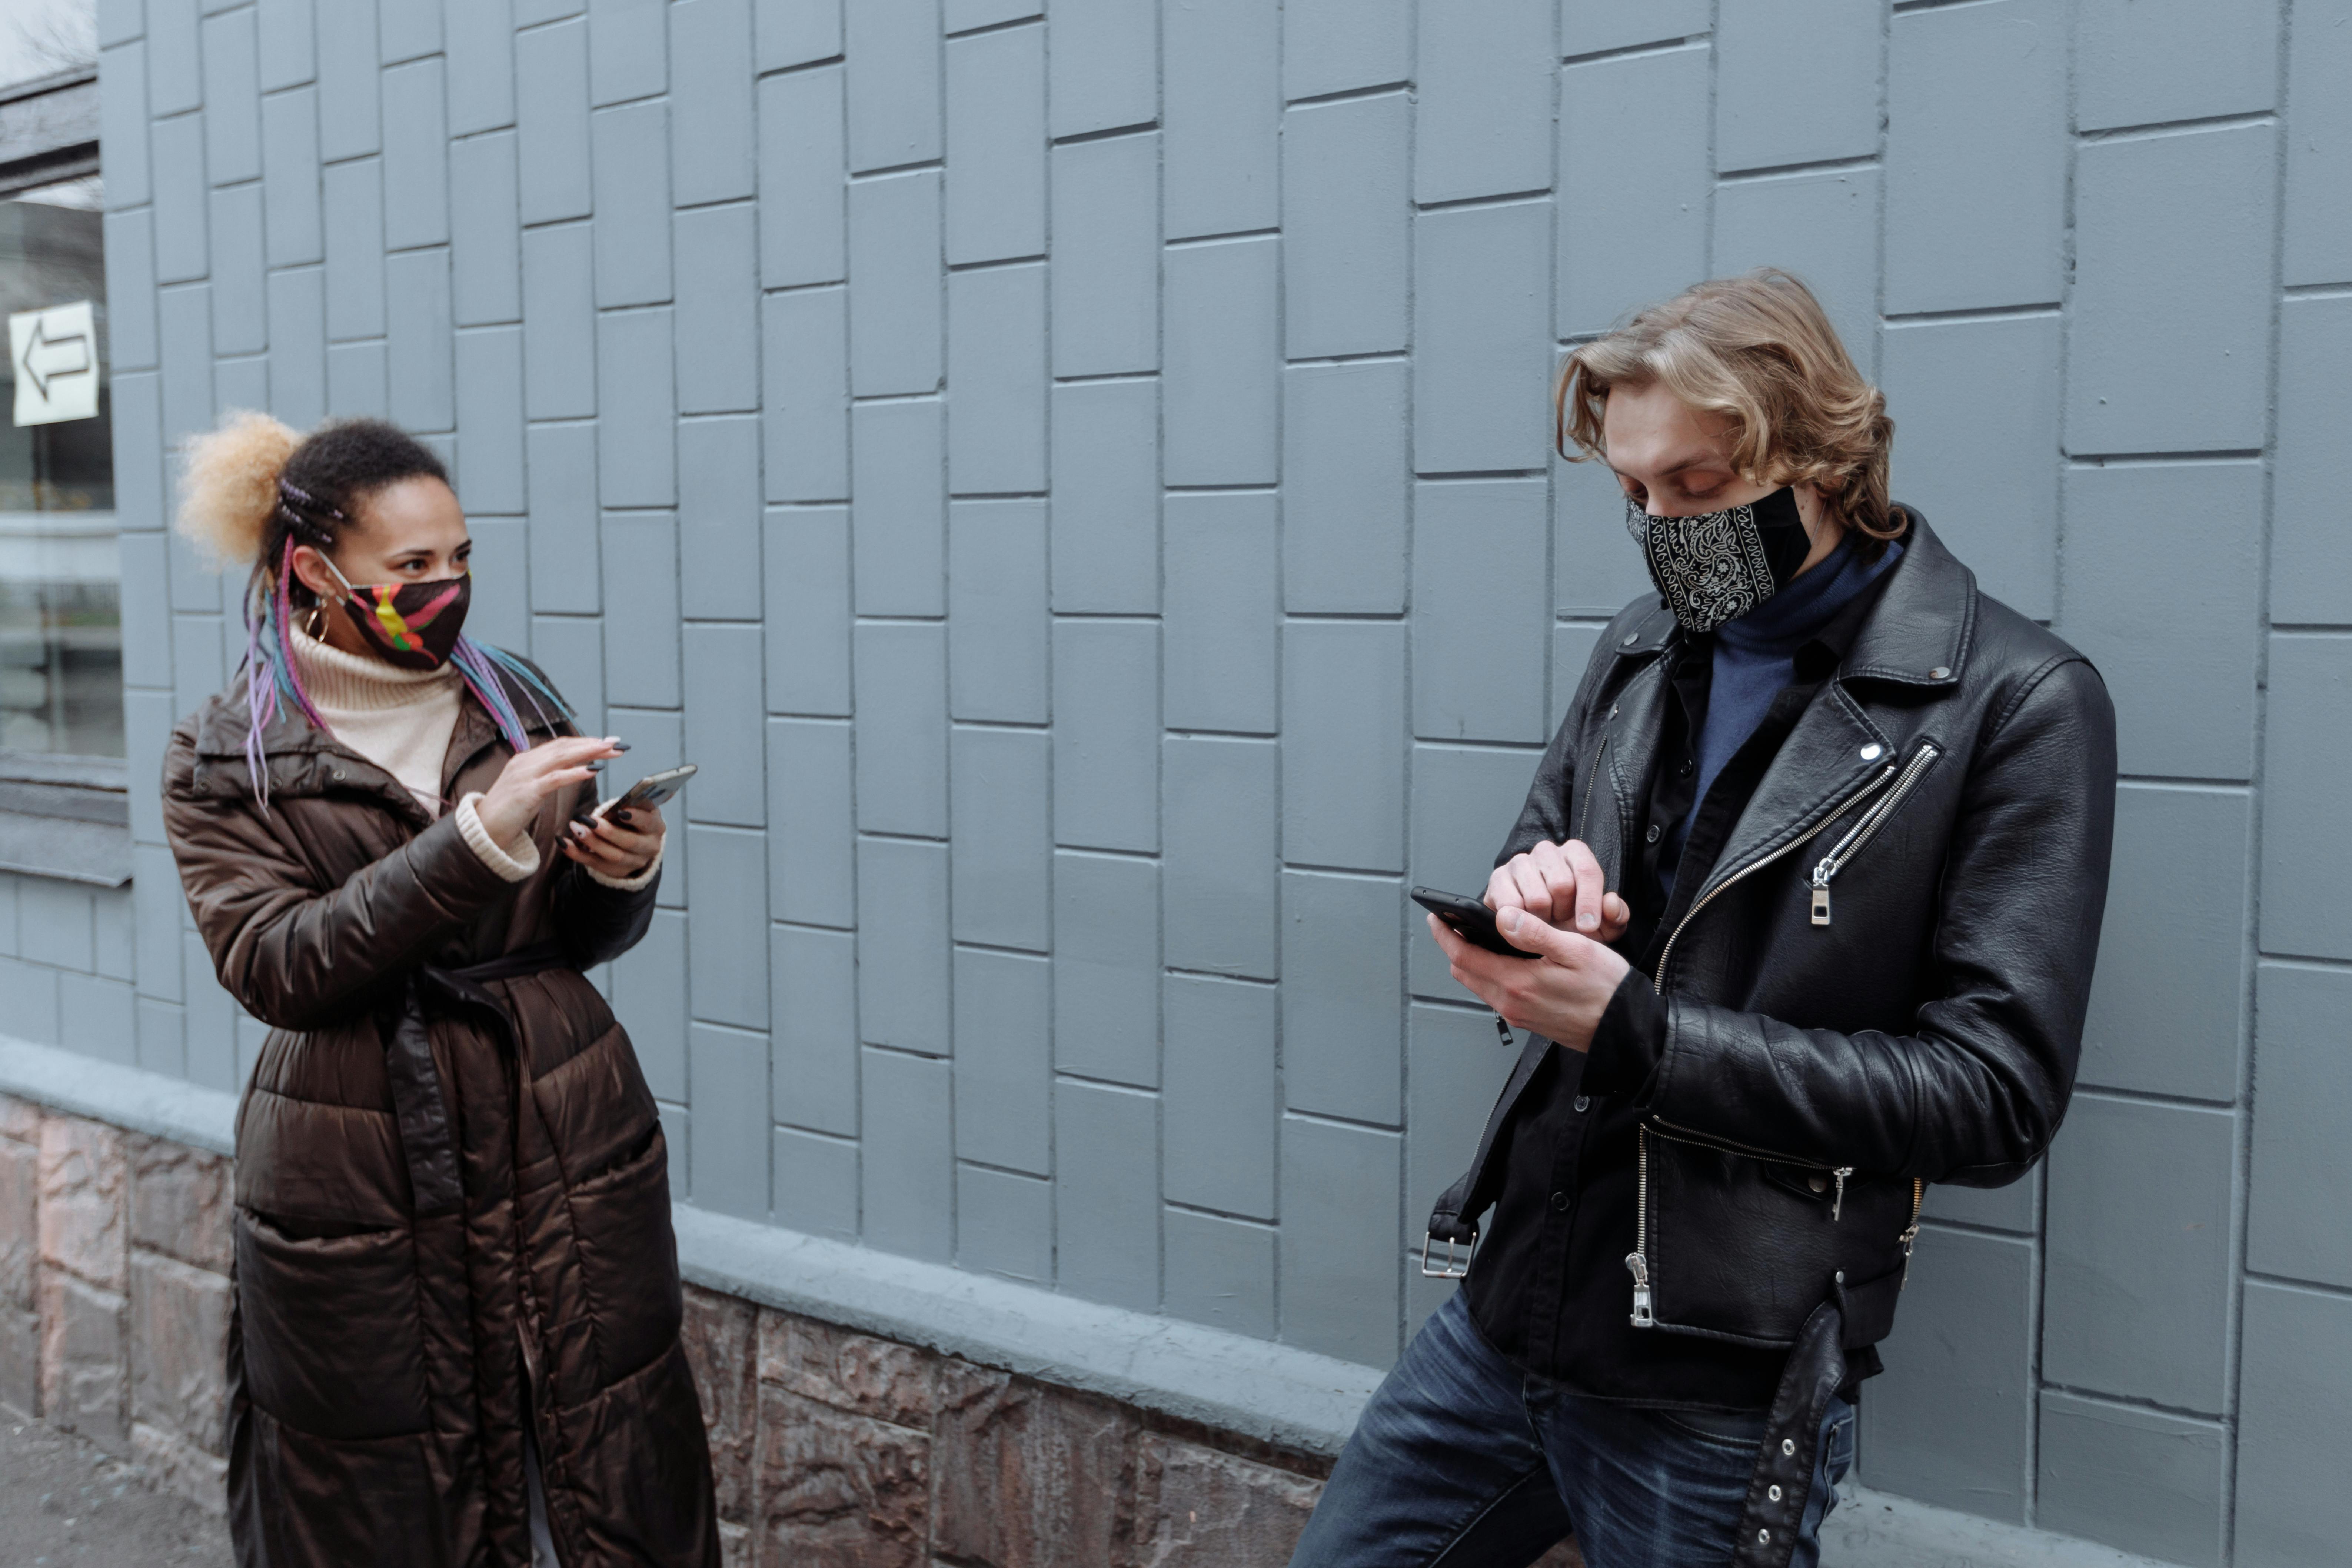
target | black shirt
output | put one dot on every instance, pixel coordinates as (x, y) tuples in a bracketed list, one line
[(1548, 1284)]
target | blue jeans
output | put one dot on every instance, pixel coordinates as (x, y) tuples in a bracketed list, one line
[(1462, 1459)]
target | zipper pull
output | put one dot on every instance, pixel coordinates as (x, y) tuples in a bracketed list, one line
[(1642, 1316), (1910, 1234), (1822, 894), (1841, 1173)]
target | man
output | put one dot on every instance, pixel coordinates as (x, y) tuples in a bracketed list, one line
[(1812, 874)]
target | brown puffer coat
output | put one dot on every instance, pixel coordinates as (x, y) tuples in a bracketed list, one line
[(452, 1190)]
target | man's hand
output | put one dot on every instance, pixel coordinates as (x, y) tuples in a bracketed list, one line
[(1560, 995), (512, 802), (1560, 883), (618, 843)]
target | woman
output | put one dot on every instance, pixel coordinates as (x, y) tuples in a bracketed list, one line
[(454, 1332)]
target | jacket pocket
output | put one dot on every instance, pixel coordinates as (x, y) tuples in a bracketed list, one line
[(628, 1259), (333, 1341), (1741, 1247)]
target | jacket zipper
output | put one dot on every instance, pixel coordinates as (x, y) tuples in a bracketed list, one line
[(1911, 1232), (1860, 834), (1637, 1261), (1666, 956), (1732, 1145)]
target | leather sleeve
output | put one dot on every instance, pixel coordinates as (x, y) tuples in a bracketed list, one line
[(1629, 1041), (1544, 817), (1976, 1092), (293, 956), (595, 921)]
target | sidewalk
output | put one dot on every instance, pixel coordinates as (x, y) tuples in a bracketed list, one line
[(63, 1501)]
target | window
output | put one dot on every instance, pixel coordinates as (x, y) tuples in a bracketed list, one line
[(60, 572), (63, 806)]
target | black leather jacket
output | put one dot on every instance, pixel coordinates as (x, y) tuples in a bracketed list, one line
[(1881, 982)]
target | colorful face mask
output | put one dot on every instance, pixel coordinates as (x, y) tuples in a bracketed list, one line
[(412, 624), (1719, 565)]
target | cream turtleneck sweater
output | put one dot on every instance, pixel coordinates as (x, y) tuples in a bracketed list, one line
[(401, 719)]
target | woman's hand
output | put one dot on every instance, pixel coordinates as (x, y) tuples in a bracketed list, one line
[(1560, 993), (620, 843), (511, 804), (1560, 883)]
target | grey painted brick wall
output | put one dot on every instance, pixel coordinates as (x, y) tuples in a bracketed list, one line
[(1078, 483)]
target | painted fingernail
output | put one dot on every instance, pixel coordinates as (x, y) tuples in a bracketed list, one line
[(595, 767), (620, 745), (625, 819)]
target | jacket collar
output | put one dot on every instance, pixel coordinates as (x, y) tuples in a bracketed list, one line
[(1922, 628), (1917, 634), (304, 760)]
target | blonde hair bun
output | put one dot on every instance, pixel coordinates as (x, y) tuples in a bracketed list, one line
[(228, 484)]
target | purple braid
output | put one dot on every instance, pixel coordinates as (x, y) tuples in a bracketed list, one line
[(272, 679)]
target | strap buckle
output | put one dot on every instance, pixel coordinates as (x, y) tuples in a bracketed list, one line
[(1450, 1266)]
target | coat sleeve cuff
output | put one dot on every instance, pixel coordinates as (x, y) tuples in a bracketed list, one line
[(636, 884), (514, 869), (1629, 1041)]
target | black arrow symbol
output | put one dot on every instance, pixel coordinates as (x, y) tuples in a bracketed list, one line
[(40, 339)]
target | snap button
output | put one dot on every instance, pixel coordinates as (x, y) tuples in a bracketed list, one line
[(1939, 673), (1583, 1103), (1684, 770), (1655, 833), (1559, 1202), (1631, 638), (1763, 1537), (1788, 1446), (1613, 710), (1773, 1493), (1870, 753), (1819, 1184), (1840, 1275)]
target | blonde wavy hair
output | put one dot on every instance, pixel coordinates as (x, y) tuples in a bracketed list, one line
[(1758, 350)]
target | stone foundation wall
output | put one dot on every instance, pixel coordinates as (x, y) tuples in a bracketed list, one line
[(836, 1448), (830, 1447), (114, 1256)]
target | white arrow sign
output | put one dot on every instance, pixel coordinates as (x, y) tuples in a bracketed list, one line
[(54, 353)]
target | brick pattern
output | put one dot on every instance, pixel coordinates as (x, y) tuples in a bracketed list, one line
[(114, 1291), (1092, 637)]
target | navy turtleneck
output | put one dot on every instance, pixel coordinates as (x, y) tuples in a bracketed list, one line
[(1755, 655)]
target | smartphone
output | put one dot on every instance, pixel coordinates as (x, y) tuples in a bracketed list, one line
[(1470, 920), (652, 790)]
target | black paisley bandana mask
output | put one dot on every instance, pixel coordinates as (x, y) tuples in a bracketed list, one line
[(1718, 565)]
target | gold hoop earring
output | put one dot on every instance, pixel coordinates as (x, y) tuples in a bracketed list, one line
[(315, 627)]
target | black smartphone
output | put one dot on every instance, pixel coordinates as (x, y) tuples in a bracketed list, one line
[(1470, 920), (652, 790)]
